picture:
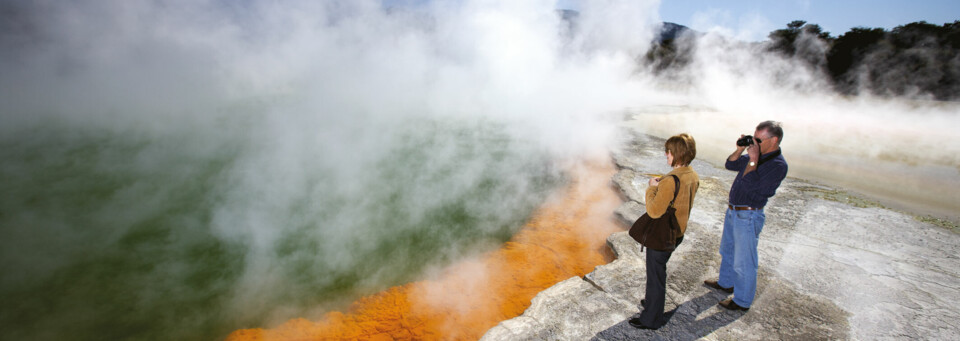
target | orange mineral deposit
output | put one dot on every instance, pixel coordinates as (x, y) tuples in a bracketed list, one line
[(565, 238)]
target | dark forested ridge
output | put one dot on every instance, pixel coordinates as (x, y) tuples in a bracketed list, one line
[(916, 59)]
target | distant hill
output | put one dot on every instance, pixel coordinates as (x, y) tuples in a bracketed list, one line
[(913, 60), (568, 14), (668, 30)]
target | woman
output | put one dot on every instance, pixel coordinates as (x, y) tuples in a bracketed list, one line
[(680, 151)]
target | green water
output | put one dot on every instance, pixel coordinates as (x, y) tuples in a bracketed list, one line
[(190, 233)]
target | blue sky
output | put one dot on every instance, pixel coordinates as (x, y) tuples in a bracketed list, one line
[(753, 19)]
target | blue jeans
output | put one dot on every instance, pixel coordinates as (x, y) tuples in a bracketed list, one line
[(738, 254)]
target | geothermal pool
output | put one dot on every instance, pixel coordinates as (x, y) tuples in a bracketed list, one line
[(190, 234), (565, 237), (198, 232)]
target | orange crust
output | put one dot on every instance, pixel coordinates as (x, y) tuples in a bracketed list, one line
[(566, 237)]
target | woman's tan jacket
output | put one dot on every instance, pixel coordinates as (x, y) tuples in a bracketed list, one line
[(658, 197)]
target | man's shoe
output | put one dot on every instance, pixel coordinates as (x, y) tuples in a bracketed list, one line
[(635, 322), (716, 285), (730, 304)]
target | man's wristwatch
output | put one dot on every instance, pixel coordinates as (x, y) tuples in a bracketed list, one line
[(752, 163)]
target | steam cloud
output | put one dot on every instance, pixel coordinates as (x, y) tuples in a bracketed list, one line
[(175, 156), (251, 162), (891, 149)]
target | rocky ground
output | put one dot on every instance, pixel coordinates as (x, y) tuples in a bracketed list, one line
[(832, 266)]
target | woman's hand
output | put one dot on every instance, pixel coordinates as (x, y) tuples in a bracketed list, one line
[(654, 182)]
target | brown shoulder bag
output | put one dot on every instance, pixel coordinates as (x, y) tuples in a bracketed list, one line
[(659, 234)]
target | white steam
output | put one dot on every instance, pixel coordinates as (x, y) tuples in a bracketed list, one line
[(281, 116), (903, 152)]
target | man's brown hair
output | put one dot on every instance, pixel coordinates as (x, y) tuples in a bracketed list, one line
[(772, 128), (683, 148)]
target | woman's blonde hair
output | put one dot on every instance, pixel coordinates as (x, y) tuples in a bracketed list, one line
[(683, 148)]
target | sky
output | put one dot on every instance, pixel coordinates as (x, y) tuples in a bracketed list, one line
[(754, 19)]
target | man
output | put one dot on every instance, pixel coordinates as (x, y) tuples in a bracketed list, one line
[(760, 172)]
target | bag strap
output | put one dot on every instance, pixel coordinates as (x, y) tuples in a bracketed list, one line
[(769, 157), (676, 188)]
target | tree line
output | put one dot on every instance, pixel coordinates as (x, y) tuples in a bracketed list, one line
[(915, 59)]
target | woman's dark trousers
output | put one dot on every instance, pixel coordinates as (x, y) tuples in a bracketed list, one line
[(652, 315)]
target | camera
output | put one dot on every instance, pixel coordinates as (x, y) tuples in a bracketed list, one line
[(746, 140)]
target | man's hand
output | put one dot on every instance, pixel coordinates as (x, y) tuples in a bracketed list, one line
[(754, 151), (736, 154)]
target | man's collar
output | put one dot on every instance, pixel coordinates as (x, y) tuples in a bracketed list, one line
[(770, 152), (768, 156)]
